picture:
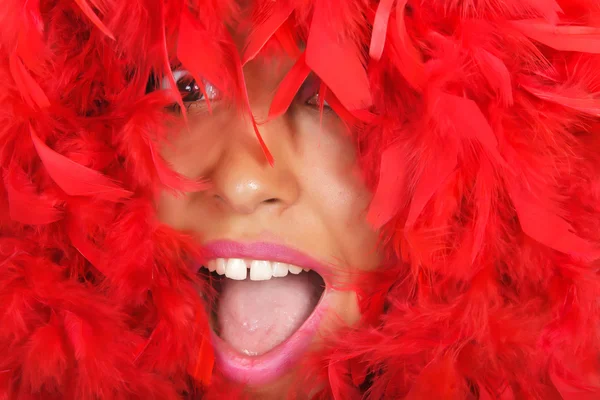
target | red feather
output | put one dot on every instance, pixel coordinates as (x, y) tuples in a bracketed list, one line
[(572, 99), (435, 175), (265, 25), (568, 391), (32, 9), (438, 380), (387, 197), (469, 122), (288, 88), (244, 90), (172, 179), (337, 63), (75, 179), (497, 76), (167, 66), (544, 226), (484, 394), (79, 240), (87, 10), (24, 203), (287, 40), (341, 383), (380, 25), (224, 63), (584, 39), (193, 44), (201, 367), (409, 59), (31, 47), (483, 194), (30, 90)]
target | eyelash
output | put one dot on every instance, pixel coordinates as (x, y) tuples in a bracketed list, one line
[(191, 93)]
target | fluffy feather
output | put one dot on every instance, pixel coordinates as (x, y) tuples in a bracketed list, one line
[(31, 91), (89, 12), (24, 204), (562, 37), (75, 179)]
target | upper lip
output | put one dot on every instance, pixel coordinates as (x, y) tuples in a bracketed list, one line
[(262, 251)]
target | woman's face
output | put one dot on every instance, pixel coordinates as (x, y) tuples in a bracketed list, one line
[(262, 226)]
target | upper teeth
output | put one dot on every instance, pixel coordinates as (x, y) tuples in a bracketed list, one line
[(260, 270)]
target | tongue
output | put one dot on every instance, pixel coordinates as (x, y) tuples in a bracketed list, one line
[(256, 316)]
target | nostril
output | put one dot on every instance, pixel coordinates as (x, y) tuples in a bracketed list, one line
[(271, 200)]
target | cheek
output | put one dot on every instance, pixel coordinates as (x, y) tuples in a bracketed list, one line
[(328, 167), (171, 210), (192, 151), (337, 193)]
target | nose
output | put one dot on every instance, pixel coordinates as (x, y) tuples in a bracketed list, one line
[(245, 182)]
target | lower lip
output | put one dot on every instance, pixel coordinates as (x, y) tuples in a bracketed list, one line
[(264, 369)]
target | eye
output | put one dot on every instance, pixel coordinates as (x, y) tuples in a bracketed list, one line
[(189, 89), (309, 92), (315, 101)]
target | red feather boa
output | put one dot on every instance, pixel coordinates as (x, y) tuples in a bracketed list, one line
[(479, 129)]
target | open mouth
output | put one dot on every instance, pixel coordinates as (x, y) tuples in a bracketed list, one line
[(266, 312), (261, 303)]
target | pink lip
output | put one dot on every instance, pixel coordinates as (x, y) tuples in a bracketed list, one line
[(259, 370)]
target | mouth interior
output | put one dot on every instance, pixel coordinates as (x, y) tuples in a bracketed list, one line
[(254, 317)]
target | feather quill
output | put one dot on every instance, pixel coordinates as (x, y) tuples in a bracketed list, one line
[(75, 179)]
